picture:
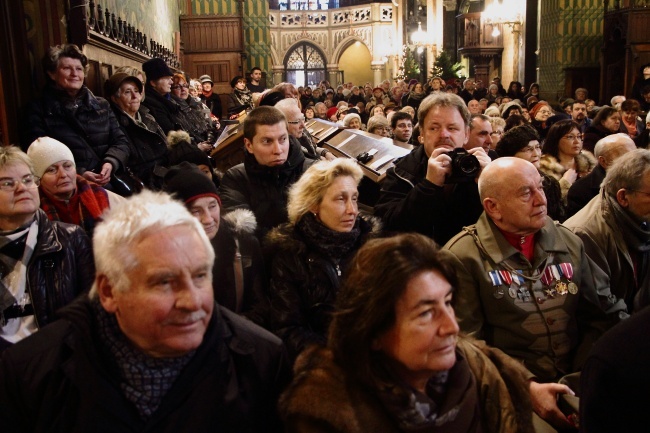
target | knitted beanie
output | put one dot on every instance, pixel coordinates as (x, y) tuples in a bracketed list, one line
[(348, 118), (186, 182), (45, 151)]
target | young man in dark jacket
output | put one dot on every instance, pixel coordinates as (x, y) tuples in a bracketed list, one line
[(271, 165)]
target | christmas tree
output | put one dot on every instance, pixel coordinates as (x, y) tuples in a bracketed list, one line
[(410, 67), (445, 68)]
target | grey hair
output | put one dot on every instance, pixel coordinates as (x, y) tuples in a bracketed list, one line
[(602, 145), (440, 99), (627, 172), (286, 103), (310, 188), (478, 116), (129, 221)]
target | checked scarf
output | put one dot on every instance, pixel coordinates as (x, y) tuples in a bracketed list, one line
[(16, 249), (84, 208)]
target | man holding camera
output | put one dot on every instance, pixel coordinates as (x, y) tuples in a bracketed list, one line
[(433, 189)]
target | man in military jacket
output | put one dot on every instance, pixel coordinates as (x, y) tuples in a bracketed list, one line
[(526, 285)]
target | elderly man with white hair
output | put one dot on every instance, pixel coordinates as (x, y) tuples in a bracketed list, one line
[(615, 228), (148, 350), (606, 151)]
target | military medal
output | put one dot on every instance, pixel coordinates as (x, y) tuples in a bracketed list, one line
[(550, 293), (561, 288), (573, 288), (512, 291), (498, 293)]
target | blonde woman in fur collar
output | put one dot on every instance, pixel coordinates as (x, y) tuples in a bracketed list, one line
[(563, 157)]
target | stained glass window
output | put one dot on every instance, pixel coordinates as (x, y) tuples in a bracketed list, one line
[(305, 65)]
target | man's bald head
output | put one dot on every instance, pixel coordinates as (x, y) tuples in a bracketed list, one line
[(496, 175), (512, 194), (610, 148)]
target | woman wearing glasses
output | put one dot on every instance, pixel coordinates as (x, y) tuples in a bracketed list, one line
[(539, 114), (45, 264), (606, 122), (563, 156), (194, 116), (523, 142)]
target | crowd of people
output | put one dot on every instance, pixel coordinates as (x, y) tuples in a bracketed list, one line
[(141, 290)]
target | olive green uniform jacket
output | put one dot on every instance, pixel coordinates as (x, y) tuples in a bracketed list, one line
[(550, 330)]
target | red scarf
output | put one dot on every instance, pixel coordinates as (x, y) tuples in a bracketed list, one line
[(207, 94), (84, 208)]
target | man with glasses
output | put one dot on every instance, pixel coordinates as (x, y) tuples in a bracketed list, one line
[(44, 264), (526, 285), (615, 227), (297, 131)]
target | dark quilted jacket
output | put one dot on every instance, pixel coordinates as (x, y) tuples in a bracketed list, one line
[(86, 125)]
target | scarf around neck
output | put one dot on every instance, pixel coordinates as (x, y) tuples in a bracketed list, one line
[(635, 233), (16, 250), (144, 380), (330, 243), (84, 208), (449, 404)]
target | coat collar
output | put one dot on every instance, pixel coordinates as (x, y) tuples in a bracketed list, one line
[(499, 249)]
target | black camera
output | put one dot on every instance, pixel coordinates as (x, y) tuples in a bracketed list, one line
[(464, 166)]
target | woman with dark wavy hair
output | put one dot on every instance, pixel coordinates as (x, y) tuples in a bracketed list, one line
[(394, 361), (563, 157), (606, 122)]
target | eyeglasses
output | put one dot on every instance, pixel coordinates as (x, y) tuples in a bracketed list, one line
[(178, 86), (545, 112), (640, 192), (496, 133), (573, 137), (296, 122), (531, 149), (30, 181)]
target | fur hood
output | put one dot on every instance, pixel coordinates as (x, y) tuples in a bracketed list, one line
[(585, 162), (176, 137), (240, 221), (283, 237)]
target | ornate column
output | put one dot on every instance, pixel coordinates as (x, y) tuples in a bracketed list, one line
[(278, 71), (333, 74), (377, 68)]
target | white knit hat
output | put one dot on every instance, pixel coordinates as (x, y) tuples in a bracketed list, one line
[(45, 151)]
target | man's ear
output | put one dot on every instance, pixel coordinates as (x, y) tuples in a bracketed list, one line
[(106, 293), (248, 145), (492, 209), (621, 198)]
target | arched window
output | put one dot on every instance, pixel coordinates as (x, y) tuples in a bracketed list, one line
[(303, 5), (305, 65)]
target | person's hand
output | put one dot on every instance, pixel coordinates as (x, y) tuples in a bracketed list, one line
[(483, 159), (205, 146), (544, 399), (107, 169), (570, 176), (330, 156), (439, 166), (93, 177)]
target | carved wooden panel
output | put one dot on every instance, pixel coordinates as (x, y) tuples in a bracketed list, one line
[(211, 34)]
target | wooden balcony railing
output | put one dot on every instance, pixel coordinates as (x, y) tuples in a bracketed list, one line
[(475, 36)]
